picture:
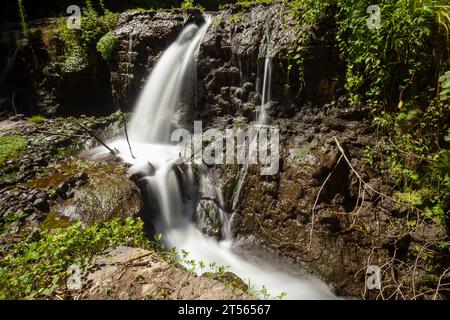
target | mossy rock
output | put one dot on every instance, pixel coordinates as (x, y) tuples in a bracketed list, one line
[(104, 198)]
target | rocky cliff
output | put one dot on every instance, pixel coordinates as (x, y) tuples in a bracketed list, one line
[(329, 209)]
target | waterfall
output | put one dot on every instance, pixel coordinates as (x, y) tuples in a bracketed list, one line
[(154, 112), (261, 112), (262, 117), (173, 189)]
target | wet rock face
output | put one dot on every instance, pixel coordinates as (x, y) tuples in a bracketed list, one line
[(230, 65), (143, 37), (315, 211), (39, 84), (233, 56), (130, 273)]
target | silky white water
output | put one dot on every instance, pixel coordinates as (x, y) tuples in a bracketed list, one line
[(262, 116), (154, 116)]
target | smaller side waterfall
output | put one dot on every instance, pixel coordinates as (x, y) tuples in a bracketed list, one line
[(262, 117)]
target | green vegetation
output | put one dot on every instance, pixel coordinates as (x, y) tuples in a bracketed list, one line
[(301, 153), (107, 46), (306, 13), (79, 44), (190, 4), (141, 10), (65, 151), (23, 18), (11, 146), (390, 69), (36, 269), (8, 177), (37, 119), (247, 3), (236, 18)]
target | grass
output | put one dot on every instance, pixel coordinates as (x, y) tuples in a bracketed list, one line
[(37, 119), (11, 146)]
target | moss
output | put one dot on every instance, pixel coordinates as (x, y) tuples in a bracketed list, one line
[(11, 146), (66, 151), (230, 186), (9, 176), (301, 153), (236, 18), (141, 10), (54, 221), (37, 119), (248, 3)]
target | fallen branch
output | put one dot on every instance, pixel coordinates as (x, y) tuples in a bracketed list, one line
[(216, 202), (126, 136), (13, 103), (439, 284), (113, 152), (358, 176)]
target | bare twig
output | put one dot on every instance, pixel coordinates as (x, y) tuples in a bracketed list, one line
[(410, 154), (126, 136), (113, 152), (317, 199), (13, 102), (439, 283)]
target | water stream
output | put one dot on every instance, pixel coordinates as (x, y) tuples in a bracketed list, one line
[(262, 116), (155, 115)]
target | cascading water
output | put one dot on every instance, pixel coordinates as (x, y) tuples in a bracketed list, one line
[(266, 80), (155, 115), (261, 111), (160, 97)]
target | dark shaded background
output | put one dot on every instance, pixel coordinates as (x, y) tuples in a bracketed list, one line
[(37, 9)]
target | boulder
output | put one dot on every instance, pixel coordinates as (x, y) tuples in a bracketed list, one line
[(132, 273), (103, 198)]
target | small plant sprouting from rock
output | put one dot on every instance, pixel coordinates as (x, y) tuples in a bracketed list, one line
[(23, 18)]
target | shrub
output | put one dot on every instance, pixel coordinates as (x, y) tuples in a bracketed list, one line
[(78, 44), (107, 46), (189, 4), (390, 69)]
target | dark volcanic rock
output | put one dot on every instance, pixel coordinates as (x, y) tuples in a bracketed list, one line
[(41, 204)]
